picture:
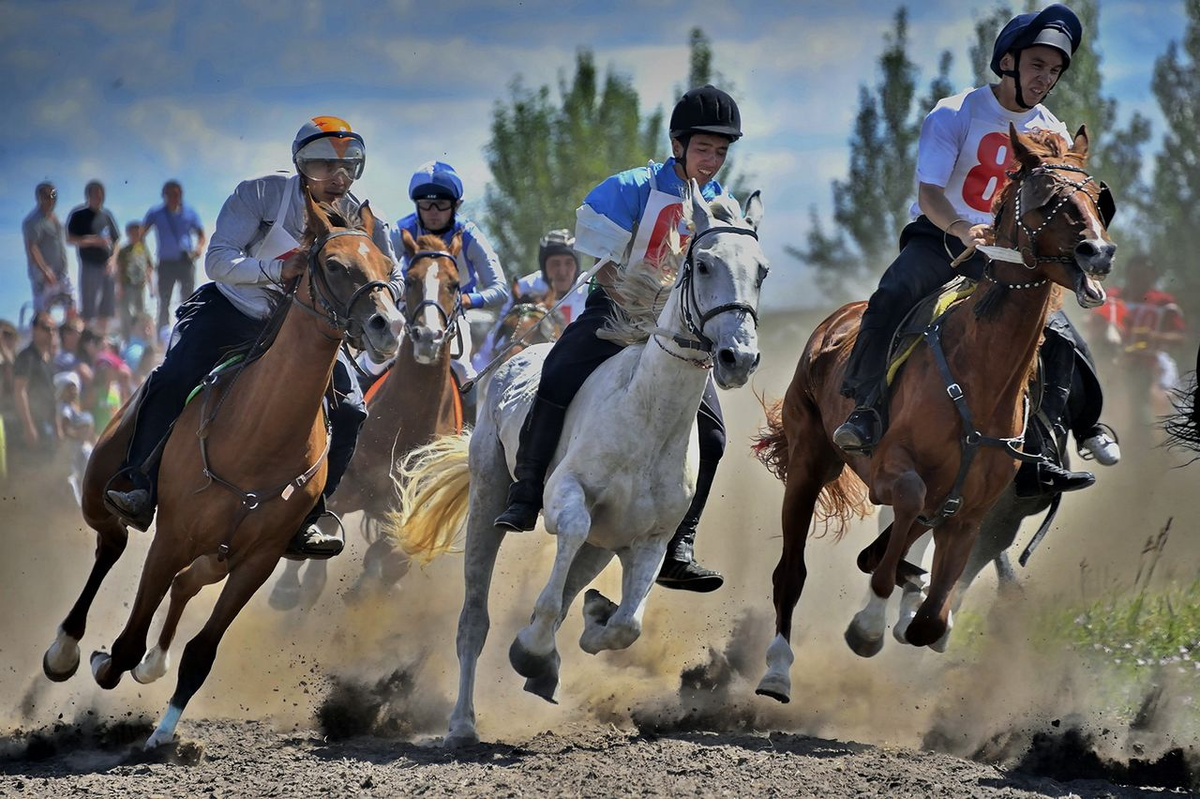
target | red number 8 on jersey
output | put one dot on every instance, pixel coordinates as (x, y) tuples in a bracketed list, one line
[(986, 180)]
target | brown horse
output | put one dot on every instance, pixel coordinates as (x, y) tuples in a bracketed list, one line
[(1051, 213), (411, 404), (529, 321), (229, 504)]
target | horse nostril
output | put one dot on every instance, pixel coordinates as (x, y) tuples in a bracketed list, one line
[(416, 334), (1087, 249), (726, 357), (377, 323), (757, 358)]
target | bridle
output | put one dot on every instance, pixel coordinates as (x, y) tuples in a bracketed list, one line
[(331, 310), (450, 320), (691, 315), (1102, 200)]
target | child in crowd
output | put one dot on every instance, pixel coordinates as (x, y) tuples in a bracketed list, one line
[(134, 269)]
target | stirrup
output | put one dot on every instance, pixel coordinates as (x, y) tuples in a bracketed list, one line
[(297, 547), (853, 436)]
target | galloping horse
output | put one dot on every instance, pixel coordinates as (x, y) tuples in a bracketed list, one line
[(625, 469), (416, 400), (528, 322), (229, 504), (957, 409)]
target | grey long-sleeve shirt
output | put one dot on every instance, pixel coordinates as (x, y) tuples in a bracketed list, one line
[(252, 284)]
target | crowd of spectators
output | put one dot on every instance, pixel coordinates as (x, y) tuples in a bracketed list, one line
[(91, 341)]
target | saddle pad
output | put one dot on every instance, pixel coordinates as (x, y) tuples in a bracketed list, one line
[(910, 332), (219, 368)]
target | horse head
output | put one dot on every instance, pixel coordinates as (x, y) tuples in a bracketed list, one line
[(348, 277), (1056, 216), (432, 297), (530, 322), (720, 283)]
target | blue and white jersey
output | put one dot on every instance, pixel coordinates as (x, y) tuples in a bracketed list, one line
[(480, 276), (614, 213)]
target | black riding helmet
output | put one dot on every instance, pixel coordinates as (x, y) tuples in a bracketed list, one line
[(1054, 26), (705, 109), (556, 242)]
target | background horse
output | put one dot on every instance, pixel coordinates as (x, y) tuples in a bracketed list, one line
[(990, 343), (625, 469), (268, 445), (414, 401)]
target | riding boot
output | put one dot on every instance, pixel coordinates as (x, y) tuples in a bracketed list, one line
[(680, 569), (311, 542), (865, 372), (539, 440), (1045, 478), (135, 505)]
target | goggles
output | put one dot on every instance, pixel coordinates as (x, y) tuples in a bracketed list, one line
[(323, 158), (435, 205)]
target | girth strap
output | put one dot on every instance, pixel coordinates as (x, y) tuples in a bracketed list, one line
[(972, 439)]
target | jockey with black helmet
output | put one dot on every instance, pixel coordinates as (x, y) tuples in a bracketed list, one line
[(624, 220), (963, 155), (255, 250)]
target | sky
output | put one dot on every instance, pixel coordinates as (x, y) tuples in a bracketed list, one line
[(133, 92)]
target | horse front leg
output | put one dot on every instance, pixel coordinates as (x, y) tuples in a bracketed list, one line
[(952, 543), (204, 570), (610, 626), (533, 653)]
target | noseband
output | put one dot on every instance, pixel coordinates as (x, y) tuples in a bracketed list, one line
[(1064, 190), (692, 316), (450, 320), (335, 313)]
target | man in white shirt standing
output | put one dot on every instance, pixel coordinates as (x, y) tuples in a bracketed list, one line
[(963, 156)]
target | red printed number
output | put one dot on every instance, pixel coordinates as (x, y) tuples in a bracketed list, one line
[(985, 180)]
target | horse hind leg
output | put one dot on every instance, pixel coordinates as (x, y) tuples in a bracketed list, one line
[(489, 492), (204, 570), (286, 593), (244, 579)]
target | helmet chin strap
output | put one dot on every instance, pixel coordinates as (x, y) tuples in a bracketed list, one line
[(1015, 74)]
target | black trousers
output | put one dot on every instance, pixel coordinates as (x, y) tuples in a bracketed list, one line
[(208, 326), (922, 267), (579, 352)]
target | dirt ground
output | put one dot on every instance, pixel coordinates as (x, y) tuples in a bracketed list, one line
[(348, 698)]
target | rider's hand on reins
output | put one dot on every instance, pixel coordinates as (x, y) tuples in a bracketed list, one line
[(294, 266)]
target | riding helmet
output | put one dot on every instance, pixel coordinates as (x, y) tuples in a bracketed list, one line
[(435, 180), (1054, 26), (706, 109)]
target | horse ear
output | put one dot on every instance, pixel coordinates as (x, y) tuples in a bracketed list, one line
[(754, 210), (316, 220), (701, 216), (1021, 152), (1080, 145), (456, 244), (410, 244), (368, 218)]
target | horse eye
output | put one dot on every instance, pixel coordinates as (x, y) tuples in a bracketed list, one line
[(702, 267), (454, 286), (333, 265)]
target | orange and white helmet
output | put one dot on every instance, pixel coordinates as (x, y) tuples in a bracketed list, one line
[(325, 145)]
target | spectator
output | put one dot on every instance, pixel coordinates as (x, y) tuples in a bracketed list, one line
[(69, 333), (46, 252), (9, 340), (78, 429), (174, 223), (33, 389), (141, 351), (93, 231), (134, 269), (111, 383)]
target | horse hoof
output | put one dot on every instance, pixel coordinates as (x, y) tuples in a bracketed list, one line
[(862, 646), (544, 687), (776, 687), (927, 633), (532, 665), (157, 739), (103, 660), (59, 676), (153, 666), (284, 597), (460, 740), (597, 608)]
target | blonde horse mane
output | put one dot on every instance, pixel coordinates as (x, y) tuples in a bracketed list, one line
[(641, 290)]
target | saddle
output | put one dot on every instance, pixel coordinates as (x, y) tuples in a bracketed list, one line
[(909, 334)]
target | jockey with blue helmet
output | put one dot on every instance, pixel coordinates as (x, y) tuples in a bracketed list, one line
[(963, 157), (255, 250), (624, 220), (437, 192)]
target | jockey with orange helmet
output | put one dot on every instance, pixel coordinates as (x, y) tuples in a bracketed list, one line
[(623, 220), (255, 250), (963, 153)]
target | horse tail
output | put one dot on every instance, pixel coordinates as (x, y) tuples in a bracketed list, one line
[(770, 445), (1183, 426), (432, 482)]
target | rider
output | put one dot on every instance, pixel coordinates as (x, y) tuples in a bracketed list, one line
[(254, 251), (963, 153), (437, 191), (616, 223)]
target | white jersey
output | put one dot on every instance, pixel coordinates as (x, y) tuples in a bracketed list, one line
[(964, 148)]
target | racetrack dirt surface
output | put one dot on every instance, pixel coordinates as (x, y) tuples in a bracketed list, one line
[(348, 699)]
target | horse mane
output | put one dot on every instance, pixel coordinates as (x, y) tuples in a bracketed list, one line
[(641, 290)]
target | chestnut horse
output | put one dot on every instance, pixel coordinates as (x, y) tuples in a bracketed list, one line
[(415, 401), (229, 504), (1050, 212)]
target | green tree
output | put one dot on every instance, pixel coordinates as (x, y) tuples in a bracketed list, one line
[(700, 72), (871, 204), (1176, 194), (545, 155)]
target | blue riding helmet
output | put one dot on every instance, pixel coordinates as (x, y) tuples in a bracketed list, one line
[(1054, 26), (435, 180)]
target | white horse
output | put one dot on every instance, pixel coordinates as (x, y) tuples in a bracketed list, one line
[(625, 470)]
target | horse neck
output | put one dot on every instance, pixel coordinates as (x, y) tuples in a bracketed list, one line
[(419, 386), (675, 384), (292, 376)]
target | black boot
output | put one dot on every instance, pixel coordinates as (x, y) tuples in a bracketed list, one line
[(539, 439), (311, 542), (860, 432), (1044, 478), (135, 507), (680, 569)]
